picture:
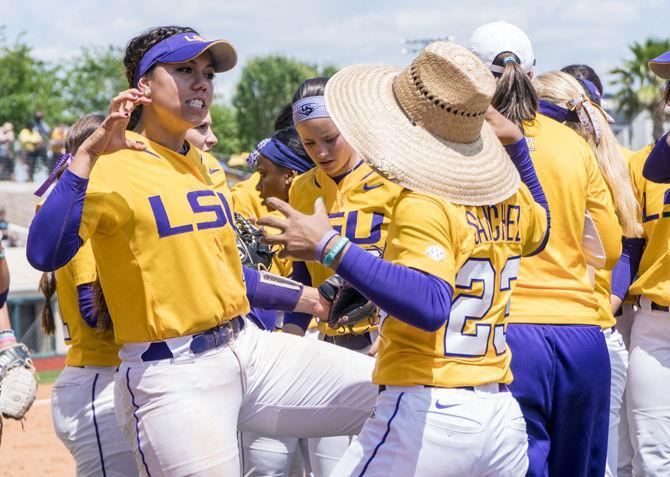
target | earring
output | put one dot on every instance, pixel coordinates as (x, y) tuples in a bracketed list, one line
[(146, 91)]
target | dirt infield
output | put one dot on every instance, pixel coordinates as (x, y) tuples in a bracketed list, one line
[(35, 450)]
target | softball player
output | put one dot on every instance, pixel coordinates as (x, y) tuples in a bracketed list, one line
[(82, 398), (359, 203), (443, 363), (202, 135), (561, 363), (563, 98), (158, 216), (645, 263)]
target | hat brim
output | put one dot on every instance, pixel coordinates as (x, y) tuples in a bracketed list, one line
[(361, 102), (661, 65), (223, 54)]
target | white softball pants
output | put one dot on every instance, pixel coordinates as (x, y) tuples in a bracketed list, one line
[(181, 415), (619, 366), (82, 406), (648, 393), (438, 432)]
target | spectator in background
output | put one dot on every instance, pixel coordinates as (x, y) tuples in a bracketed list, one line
[(41, 125), (57, 144), (32, 147), (7, 138)]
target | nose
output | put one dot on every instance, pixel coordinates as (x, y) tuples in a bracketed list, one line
[(200, 84), (323, 151)]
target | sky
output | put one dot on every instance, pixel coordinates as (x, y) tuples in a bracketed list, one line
[(345, 32)]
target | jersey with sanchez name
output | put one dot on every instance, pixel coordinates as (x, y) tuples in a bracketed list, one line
[(160, 224), (477, 250), (359, 206)]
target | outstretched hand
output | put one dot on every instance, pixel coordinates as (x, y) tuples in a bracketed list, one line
[(506, 131), (110, 136), (299, 233)]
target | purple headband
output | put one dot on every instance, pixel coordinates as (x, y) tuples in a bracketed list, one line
[(184, 47), (252, 158), (556, 112), (593, 90), (63, 160), (311, 107), (282, 155)]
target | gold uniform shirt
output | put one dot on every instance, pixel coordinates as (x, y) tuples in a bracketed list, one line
[(554, 286), (653, 275), (248, 202), (87, 346), (160, 227), (477, 251), (602, 286), (359, 207)]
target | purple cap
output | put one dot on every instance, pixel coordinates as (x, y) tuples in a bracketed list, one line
[(661, 65), (184, 47)]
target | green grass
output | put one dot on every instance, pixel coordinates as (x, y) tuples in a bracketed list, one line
[(48, 377)]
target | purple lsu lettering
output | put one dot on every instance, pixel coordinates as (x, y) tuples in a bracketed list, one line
[(222, 213), (664, 211), (350, 219), (495, 223)]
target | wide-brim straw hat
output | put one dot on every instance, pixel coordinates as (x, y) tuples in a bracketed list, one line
[(423, 127)]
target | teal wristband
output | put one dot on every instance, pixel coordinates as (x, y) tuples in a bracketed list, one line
[(337, 248), (3, 253)]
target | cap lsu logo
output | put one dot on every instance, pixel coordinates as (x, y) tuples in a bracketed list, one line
[(306, 109), (194, 38)]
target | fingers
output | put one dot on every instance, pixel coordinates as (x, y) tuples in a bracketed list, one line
[(281, 206), (274, 222), (136, 145), (279, 239), (320, 207)]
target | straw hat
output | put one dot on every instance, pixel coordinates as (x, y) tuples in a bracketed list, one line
[(423, 127)]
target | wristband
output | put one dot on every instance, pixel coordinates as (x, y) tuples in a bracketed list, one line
[(337, 248), (3, 253), (323, 243), (7, 336)]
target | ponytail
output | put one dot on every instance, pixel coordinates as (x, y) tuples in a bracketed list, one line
[(101, 312), (48, 288), (515, 98), (563, 90)]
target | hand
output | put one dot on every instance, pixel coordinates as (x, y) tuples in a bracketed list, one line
[(375, 347), (110, 136), (299, 233), (507, 132)]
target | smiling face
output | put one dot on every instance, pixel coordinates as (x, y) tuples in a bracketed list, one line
[(326, 146), (181, 93)]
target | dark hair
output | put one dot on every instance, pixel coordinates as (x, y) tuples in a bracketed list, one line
[(137, 48), (77, 134), (291, 139), (311, 87), (584, 72), (284, 118), (515, 98)]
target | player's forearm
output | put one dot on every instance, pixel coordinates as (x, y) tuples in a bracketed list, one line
[(657, 166), (4, 278), (389, 285), (294, 320), (626, 268), (86, 299), (53, 238), (273, 292)]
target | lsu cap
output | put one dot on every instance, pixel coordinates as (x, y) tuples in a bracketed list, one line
[(661, 65), (184, 47), (489, 40)]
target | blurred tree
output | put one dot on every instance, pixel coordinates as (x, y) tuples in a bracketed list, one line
[(266, 85), (27, 85), (224, 125), (639, 89), (92, 79)]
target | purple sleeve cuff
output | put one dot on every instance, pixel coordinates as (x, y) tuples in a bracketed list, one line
[(264, 319), (520, 156), (657, 166), (87, 304), (300, 274), (626, 268), (3, 297), (53, 238), (388, 285), (271, 292)]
